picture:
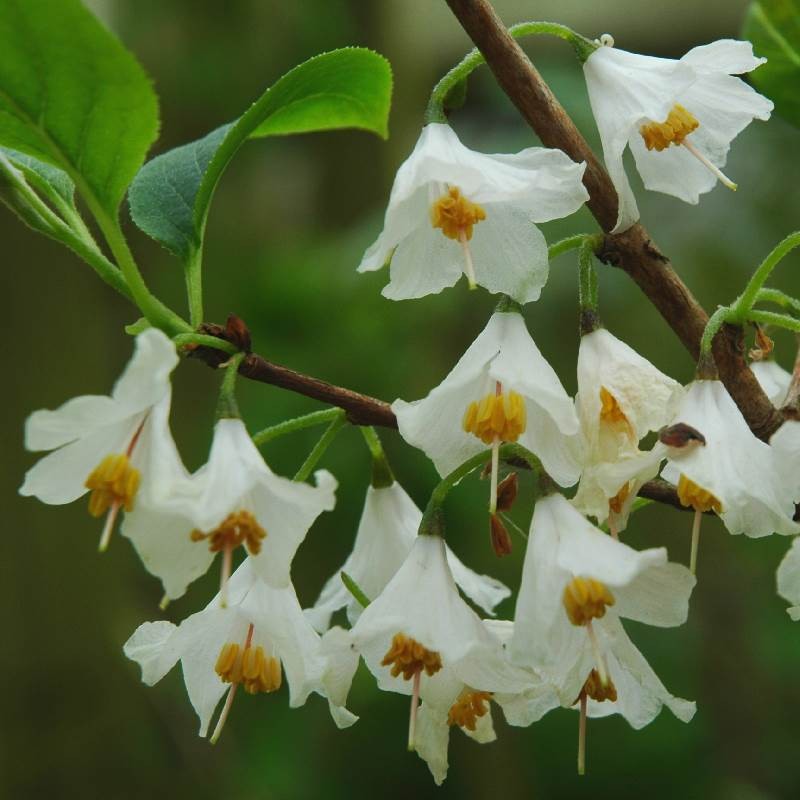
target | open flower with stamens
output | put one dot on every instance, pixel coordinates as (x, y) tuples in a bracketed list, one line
[(453, 210), (419, 637), (621, 397), (260, 635), (576, 583), (386, 533), (233, 501), (118, 447), (731, 472), (501, 390), (773, 379), (678, 117)]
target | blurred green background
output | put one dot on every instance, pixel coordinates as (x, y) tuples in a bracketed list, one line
[(288, 225)]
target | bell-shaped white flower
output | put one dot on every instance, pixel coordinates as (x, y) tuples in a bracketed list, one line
[(785, 444), (118, 447), (453, 210), (678, 117), (621, 397), (259, 635), (419, 637), (789, 579), (233, 500), (577, 582), (728, 471), (501, 390), (773, 379), (386, 533)]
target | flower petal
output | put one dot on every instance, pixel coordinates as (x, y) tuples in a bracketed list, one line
[(149, 648)]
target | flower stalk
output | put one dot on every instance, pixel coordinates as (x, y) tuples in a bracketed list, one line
[(320, 447)]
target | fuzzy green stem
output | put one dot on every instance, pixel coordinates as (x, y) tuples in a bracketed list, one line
[(193, 273), (321, 446), (773, 318), (722, 315), (744, 304), (587, 287), (381, 471), (572, 243), (296, 424), (779, 298), (204, 340), (354, 589), (435, 111), (227, 406)]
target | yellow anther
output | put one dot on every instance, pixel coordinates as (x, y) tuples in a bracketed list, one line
[(468, 707), (112, 482), (675, 128), (700, 499), (618, 500), (585, 599), (456, 215), (249, 666), (610, 410), (496, 416), (596, 690), (409, 657), (236, 529)]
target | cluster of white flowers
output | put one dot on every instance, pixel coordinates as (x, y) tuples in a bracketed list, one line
[(451, 211)]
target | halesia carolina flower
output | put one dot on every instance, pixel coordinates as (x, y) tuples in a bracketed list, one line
[(577, 582), (252, 642), (501, 390), (118, 447), (419, 637), (789, 579), (727, 470), (621, 398), (450, 704), (773, 379), (785, 444), (386, 533), (453, 210), (678, 117), (233, 501)]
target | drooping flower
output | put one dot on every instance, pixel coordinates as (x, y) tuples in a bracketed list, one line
[(386, 534), (728, 470), (233, 500), (418, 636), (789, 579), (118, 447), (577, 583), (678, 117), (785, 444), (251, 642), (621, 397), (501, 390), (453, 210), (773, 379)]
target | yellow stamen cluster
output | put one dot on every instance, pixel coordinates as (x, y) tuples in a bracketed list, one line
[(610, 410), (249, 666), (456, 215), (236, 529), (496, 416), (700, 499), (618, 500), (468, 707), (675, 128), (585, 599), (112, 482), (597, 690), (408, 656)]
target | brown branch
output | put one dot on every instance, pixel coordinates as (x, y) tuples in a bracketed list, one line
[(633, 251)]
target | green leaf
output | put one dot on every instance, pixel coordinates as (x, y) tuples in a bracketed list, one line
[(171, 195), (42, 176), (773, 26), (73, 97)]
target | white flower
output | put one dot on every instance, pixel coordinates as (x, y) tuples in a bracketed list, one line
[(789, 579), (576, 584), (452, 209), (419, 624), (119, 447), (502, 366), (733, 473), (234, 499), (386, 533), (621, 397), (678, 117), (785, 443), (773, 379), (261, 632)]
